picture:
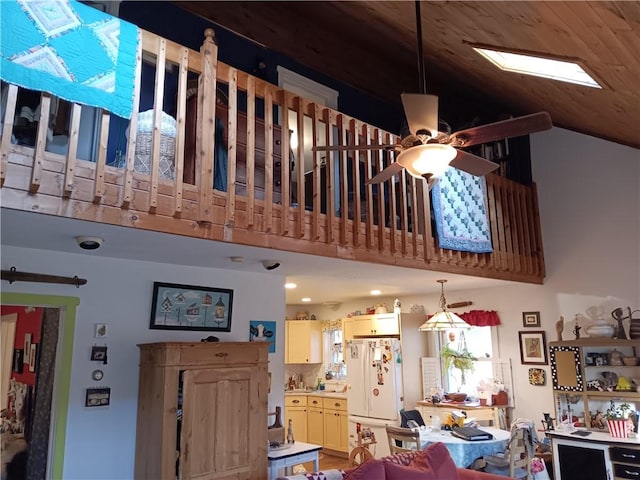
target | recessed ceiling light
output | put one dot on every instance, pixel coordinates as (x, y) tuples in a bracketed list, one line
[(290, 285), (375, 292), (555, 69), (306, 299)]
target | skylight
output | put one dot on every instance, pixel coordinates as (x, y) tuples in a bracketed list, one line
[(561, 70)]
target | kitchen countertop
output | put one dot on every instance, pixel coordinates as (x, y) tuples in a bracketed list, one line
[(317, 393)]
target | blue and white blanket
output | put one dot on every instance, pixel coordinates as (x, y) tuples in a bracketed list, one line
[(460, 209), (70, 50)]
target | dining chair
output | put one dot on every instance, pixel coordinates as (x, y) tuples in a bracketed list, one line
[(516, 459), (403, 439)]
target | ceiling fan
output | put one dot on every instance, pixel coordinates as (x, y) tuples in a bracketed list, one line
[(427, 152)]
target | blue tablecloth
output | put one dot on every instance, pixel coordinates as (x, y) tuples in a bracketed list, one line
[(465, 452)]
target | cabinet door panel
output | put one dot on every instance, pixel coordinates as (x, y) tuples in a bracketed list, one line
[(336, 430), (215, 407), (315, 426), (304, 341), (298, 415), (386, 325)]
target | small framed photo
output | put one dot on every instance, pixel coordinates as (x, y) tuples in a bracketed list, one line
[(32, 357), (18, 360), (97, 397), (185, 307), (531, 319), (27, 347), (98, 354), (533, 348), (101, 330)]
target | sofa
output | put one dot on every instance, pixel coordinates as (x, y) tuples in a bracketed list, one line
[(433, 463)]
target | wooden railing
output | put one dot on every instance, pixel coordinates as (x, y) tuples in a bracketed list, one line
[(267, 199)]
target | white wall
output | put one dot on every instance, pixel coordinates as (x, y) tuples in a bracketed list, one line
[(589, 200), (101, 441)]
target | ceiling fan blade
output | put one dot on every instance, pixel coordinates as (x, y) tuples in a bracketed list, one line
[(421, 112), (343, 148), (513, 127), (473, 164), (386, 173)]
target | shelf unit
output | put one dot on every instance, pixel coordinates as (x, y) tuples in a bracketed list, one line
[(202, 410), (579, 369)]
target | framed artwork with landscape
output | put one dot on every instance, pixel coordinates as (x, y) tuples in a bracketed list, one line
[(187, 307), (533, 348)]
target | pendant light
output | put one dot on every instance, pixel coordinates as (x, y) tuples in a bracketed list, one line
[(443, 319)]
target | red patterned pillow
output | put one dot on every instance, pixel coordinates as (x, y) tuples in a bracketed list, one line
[(370, 470), (436, 458)]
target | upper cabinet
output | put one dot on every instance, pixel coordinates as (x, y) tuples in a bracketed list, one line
[(303, 341), (385, 324)]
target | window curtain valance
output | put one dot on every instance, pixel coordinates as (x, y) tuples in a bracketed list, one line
[(481, 318)]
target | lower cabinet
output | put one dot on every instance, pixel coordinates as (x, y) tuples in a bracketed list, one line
[(295, 409), (315, 420), (319, 420), (336, 424)]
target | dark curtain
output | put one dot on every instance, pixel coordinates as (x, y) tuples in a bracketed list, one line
[(40, 410)]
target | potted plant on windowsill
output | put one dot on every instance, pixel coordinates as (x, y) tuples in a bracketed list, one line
[(618, 419)]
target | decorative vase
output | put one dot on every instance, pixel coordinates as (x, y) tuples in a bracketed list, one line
[(617, 428)]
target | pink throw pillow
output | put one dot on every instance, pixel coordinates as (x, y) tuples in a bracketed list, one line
[(400, 472), (370, 470), (436, 458)]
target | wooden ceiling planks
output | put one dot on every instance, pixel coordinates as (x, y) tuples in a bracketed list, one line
[(372, 46)]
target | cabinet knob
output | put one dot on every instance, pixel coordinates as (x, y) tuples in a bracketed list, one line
[(221, 354), (278, 142), (295, 401)]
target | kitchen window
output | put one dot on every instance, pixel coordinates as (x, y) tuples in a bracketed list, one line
[(480, 343)]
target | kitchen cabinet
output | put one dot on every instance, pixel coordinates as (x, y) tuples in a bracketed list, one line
[(295, 409), (386, 324), (303, 341), (336, 424), (202, 409), (625, 461), (584, 380), (315, 420)]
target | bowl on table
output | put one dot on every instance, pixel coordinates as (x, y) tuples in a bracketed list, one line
[(455, 397)]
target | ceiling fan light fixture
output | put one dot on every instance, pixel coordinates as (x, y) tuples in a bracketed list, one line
[(431, 159)]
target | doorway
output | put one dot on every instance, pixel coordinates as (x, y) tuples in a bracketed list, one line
[(51, 410)]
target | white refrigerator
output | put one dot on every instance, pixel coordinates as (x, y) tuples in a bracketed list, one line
[(374, 396)]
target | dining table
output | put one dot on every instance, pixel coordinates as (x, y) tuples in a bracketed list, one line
[(464, 452)]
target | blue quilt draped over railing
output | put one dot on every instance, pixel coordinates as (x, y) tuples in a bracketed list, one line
[(70, 50), (460, 208)]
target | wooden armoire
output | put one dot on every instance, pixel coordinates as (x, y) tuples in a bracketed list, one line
[(202, 411)]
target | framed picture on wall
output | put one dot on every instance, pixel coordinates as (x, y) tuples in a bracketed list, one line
[(533, 348), (186, 307), (531, 319)]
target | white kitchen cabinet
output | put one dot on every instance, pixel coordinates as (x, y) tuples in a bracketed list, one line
[(303, 341)]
